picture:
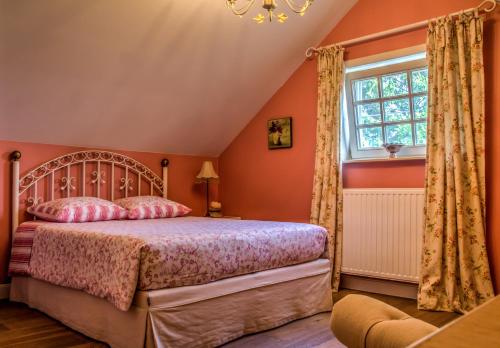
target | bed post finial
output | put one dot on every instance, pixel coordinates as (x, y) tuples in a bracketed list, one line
[(164, 166), (15, 156)]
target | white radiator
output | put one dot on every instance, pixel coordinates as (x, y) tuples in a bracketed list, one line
[(383, 233)]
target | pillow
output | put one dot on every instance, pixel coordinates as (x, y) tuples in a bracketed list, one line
[(78, 209), (152, 207)]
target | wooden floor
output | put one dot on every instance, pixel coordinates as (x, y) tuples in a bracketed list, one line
[(21, 326)]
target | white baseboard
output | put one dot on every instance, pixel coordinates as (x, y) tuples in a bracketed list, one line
[(379, 286), (4, 291)]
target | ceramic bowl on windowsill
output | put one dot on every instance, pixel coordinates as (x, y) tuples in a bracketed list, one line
[(393, 149)]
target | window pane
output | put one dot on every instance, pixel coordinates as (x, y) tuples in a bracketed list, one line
[(365, 89), (369, 113), (419, 80), (399, 134), (370, 137), (420, 106), (421, 133), (397, 110), (395, 84)]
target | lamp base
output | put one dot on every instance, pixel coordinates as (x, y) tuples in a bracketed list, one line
[(208, 204)]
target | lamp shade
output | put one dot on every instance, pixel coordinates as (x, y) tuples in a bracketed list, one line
[(207, 171)]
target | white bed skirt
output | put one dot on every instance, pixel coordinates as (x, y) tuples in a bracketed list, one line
[(191, 316)]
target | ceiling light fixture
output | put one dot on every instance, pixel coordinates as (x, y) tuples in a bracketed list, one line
[(270, 6)]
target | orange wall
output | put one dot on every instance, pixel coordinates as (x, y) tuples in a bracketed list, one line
[(262, 184), (181, 186)]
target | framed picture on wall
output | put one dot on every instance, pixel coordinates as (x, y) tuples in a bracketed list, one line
[(279, 133)]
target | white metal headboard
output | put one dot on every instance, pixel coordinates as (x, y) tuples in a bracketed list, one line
[(28, 184)]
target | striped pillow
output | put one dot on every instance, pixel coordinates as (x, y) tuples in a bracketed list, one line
[(78, 209), (152, 207)]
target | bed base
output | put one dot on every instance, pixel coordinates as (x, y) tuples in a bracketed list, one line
[(193, 316)]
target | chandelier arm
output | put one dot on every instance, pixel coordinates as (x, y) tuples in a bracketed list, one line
[(296, 8), (242, 10)]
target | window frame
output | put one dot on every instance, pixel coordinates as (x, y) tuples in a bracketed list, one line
[(407, 151)]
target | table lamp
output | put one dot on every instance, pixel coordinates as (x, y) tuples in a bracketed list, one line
[(207, 174)]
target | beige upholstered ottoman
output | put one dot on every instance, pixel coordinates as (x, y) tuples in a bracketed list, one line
[(361, 321)]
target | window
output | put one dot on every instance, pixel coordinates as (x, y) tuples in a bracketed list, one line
[(387, 103)]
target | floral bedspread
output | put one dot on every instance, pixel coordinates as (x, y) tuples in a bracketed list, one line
[(111, 259)]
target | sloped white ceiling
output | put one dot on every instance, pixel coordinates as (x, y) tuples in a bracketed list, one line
[(173, 76)]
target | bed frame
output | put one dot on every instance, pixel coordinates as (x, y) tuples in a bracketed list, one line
[(190, 316), (82, 172)]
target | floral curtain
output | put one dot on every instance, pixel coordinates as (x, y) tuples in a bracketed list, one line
[(326, 208), (455, 274)]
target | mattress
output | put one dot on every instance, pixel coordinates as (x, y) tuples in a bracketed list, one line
[(111, 259)]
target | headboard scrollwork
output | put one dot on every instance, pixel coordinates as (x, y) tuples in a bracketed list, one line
[(71, 171)]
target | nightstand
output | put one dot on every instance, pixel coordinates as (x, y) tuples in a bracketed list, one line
[(227, 217)]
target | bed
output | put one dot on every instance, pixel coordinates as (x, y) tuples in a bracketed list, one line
[(190, 281)]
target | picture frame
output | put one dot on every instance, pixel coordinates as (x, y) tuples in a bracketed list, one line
[(279, 133)]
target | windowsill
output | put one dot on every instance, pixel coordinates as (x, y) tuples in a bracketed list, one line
[(386, 159)]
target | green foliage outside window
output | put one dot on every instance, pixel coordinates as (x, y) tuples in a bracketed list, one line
[(366, 89), (370, 137), (397, 110), (420, 106), (399, 134), (421, 133), (419, 80), (395, 84), (398, 115), (369, 113)]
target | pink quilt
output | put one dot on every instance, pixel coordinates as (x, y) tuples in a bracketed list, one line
[(111, 259)]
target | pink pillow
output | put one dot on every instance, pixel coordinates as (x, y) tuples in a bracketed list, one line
[(152, 207), (78, 209)]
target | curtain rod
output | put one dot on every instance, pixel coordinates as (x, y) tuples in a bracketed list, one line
[(312, 51)]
